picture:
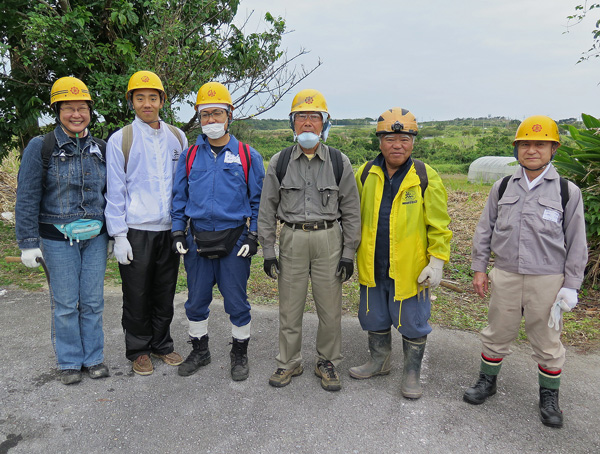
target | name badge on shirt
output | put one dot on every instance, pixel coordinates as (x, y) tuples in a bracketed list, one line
[(551, 215), (230, 157)]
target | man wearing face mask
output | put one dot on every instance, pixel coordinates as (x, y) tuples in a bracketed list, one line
[(217, 194), (310, 189), (141, 161)]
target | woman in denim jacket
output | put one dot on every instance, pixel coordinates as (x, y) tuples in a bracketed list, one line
[(60, 220)]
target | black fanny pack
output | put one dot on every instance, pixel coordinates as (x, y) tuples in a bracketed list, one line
[(214, 245)]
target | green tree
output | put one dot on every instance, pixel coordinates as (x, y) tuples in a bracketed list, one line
[(581, 12), (581, 164), (103, 42)]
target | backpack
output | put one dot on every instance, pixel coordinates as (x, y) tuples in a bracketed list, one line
[(243, 150), (48, 148), (336, 162), (128, 140), (564, 193), (419, 167)]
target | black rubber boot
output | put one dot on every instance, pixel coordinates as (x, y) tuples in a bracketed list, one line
[(411, 374), (480, 391), (550, 413), (380, 346), (239, 359), (198, 357)]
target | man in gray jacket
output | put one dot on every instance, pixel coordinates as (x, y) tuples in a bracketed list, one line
[(311, 190), (534, 224)]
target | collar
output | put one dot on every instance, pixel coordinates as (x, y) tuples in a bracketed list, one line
[(320, 151)]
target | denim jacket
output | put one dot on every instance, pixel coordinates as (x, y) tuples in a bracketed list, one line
[(73, 189)]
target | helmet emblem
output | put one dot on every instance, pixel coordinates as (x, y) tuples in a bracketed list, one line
[(145, 79), (308, 100), (211, 93), (75, 90), (536, 128)]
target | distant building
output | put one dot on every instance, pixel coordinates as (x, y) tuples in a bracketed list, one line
[(488, 169)]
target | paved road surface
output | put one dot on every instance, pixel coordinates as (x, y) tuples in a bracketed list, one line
[(209, 413)]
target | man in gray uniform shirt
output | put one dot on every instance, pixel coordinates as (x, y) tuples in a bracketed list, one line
[(310, 188), (534, 223)]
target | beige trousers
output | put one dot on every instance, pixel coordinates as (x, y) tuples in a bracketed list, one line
[(523, 295), (315, 254)]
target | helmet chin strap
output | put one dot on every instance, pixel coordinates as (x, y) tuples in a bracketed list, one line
[(535, 170)]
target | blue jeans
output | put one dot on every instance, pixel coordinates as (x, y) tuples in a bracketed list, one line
[(77, 297)]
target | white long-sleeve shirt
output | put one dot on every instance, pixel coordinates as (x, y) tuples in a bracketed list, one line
[(141, 197)]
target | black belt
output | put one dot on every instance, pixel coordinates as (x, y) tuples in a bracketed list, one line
[(309, 226)]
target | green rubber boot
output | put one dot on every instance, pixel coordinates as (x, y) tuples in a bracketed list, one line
[(411, 375), (380, 346)]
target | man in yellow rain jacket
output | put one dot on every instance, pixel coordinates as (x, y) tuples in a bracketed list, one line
[(404, 244)]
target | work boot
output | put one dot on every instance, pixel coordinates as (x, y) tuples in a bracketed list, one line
[(480, 391), (198, 357), (98, 371), (239, 359), (550, 413), (380, 346), (411, 374)]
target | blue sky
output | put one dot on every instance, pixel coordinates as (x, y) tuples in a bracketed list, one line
[(440, 59)]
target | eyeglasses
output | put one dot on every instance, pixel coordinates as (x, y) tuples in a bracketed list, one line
[(218, 115), (71, 110), (312, 117)]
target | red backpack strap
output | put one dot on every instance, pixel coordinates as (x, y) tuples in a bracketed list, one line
[(245, 158), (189, 159)]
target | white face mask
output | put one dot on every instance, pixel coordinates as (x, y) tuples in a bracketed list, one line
[(214, 130), (308, 140)]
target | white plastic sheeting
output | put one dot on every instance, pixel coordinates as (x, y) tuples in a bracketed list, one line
[(488, 169)]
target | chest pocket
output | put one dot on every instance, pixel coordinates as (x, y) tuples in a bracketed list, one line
[(551, 217), (61, 164), (506, 213), (329, 200)]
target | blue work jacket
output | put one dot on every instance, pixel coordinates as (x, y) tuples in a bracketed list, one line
[(216, 196)]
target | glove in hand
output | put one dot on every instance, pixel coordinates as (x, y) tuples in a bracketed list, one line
[(123, 251), (566, 300), (271, 268), (431, 276), (110, 249), (29, 257), (345, 269), (179, 243), (249, 248)]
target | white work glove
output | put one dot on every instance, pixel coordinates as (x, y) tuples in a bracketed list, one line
[(178, 245), (566, 300), (431, 276), (110, 246), (29, 257), (123, 251)]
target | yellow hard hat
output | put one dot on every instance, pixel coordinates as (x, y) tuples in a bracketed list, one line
[(69, 89), (397, 120), (309, 100), (213, 93), (538, 127), (145, 79)]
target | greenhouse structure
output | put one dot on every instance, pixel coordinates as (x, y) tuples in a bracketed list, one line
[(488, 169)]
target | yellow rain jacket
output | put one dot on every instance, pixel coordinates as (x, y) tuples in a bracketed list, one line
[(418, 228)]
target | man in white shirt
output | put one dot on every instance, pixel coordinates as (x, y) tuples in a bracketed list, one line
[(141, 161)]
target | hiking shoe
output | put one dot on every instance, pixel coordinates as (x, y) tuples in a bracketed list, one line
[(239, 359), (283, 377), (98, 371), (70, 376), (330, 380), (172, 359), (143, 365), (198, 357)]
